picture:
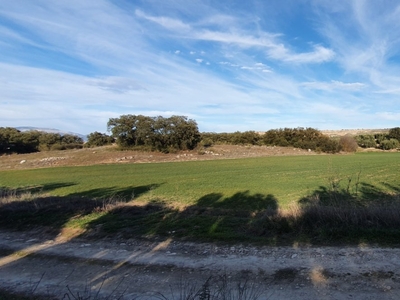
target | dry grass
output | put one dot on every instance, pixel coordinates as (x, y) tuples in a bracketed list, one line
[(14, 200)]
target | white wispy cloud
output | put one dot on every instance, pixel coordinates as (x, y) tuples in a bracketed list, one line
[(319, 55), (334, 85), (169, 23), (116, 84), (82, 63), (268, 41), (365, 36)]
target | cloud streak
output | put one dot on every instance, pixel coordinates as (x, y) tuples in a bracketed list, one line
[(76, 64), (334, 85)]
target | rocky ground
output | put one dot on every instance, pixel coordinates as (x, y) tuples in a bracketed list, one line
[(109, 155), (132, 268)]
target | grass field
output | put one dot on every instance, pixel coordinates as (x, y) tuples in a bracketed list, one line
[(286, 178), (221, 199)]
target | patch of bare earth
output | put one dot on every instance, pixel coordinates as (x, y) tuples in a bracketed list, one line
[(353, 132), (110, 155)]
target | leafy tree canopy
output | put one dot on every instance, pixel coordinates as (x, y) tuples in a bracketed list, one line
[(156, 133)]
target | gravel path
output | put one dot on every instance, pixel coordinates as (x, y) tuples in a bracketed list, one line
[(134, 268)]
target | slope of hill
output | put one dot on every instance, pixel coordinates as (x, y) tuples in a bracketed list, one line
[(342, 132)]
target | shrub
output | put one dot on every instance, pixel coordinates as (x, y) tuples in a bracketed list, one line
[(305, 138), (366, 141), (390, 144), (348, 143), (206, 142), (97, 139), (57, 147), (380, 137), (394, 133)]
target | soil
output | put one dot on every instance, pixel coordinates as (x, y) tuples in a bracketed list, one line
[(37, 263), (110, 155), (71, 267)]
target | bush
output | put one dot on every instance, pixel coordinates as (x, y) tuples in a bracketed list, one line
[(380, 137), (394, 133), (206, 142), (366, 141), (97, 139), (348, 143), (390, 144), (304, 138), (57, 147)]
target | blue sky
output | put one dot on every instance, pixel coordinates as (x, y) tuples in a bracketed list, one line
[(230, 65)]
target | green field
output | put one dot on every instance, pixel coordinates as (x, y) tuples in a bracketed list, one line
[(287, 178), (217, 200)]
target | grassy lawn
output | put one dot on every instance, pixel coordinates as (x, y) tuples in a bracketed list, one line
[(217, 200)]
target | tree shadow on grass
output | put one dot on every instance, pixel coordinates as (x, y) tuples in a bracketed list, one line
[(324, 217), (19, 211), (364, 194), (367, 214), (213, 218), (239, 201), (43, 188), (123, 194), (327, 214)]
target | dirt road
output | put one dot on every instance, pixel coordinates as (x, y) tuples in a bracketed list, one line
[(137, 268)]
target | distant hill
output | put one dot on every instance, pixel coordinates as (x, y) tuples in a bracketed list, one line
[(51, 130), (342, 132)]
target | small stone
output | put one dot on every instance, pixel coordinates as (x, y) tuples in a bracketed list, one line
[(387, 288), (294, 256)]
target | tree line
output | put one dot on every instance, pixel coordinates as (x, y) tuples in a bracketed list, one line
[(13, 140), (304, 138), (388, 141), (180, 133)]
